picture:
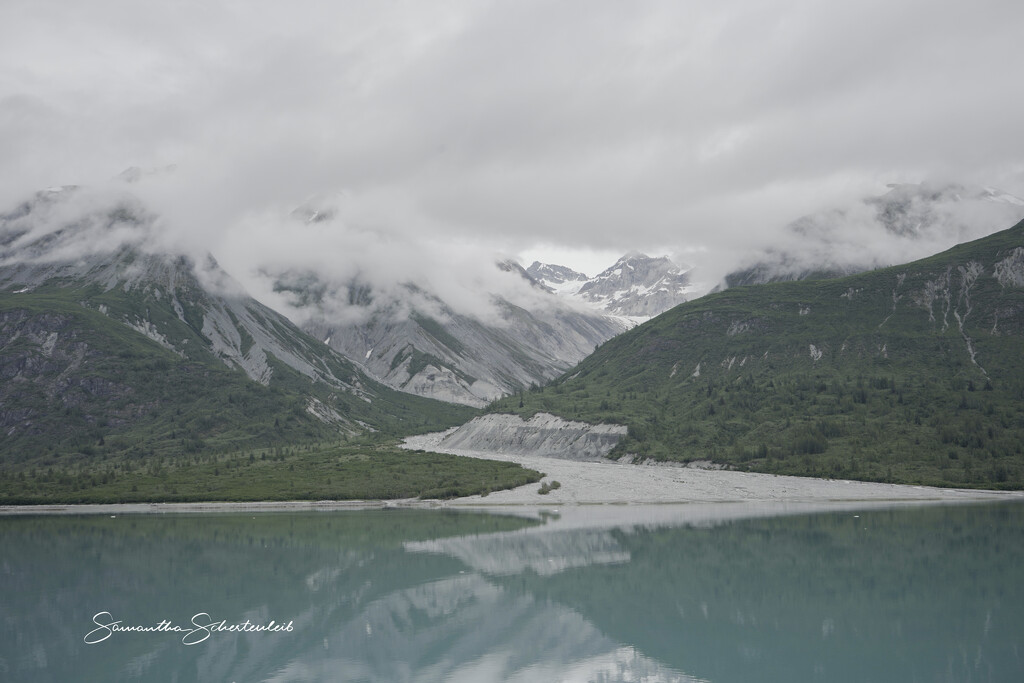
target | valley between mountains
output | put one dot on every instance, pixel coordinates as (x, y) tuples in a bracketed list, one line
[(135, 372)]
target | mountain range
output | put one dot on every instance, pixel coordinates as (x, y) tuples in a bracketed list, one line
[(910, 373), (636, 287), (113, 343), (414, 341), (109, 345)]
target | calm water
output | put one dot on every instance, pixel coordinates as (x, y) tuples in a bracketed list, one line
[(604, 593)]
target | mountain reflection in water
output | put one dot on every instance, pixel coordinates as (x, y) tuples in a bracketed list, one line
[(717, 592)]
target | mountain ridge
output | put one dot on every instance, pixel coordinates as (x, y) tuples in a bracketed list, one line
[(412, 339), (636, 287), (909, 373), (109, 347)]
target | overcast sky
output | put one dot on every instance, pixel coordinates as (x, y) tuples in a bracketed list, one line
[(527, 127)]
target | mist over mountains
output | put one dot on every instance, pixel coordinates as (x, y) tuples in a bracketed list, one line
[(105, 329), (415, 341), (114, 322), (486, 331), (908, 222), (454, 321), (910, 373)]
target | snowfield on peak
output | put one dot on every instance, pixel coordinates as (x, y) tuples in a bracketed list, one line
[(634, 289)]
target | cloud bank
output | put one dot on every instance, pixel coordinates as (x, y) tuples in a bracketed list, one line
[(464, 127)]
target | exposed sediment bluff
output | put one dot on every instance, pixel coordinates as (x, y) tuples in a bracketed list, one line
[(543, 434)]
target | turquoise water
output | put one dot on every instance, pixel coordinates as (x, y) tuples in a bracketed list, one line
[(603, 593)]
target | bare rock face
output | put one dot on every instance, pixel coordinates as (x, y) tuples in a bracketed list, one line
[(1010, 271), (552, 274), (440, 353), (543, 434), (69, 237)]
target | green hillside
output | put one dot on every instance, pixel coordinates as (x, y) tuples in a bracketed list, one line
[(908, 374), (77, 382), (129, 374), (92, 410)]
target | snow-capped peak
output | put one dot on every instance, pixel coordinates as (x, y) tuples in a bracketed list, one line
[(551, 274), (635, 287)]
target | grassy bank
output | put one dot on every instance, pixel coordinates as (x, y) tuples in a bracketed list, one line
[(310, 472)]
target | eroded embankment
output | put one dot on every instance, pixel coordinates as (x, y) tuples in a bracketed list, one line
[(543, 434)]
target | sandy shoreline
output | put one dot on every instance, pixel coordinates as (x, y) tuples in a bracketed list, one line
[(584, 483)]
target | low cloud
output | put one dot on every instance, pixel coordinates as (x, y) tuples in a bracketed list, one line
[(71, 223), (907, 223), (338, 256), (463, 128), (332, 256)]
